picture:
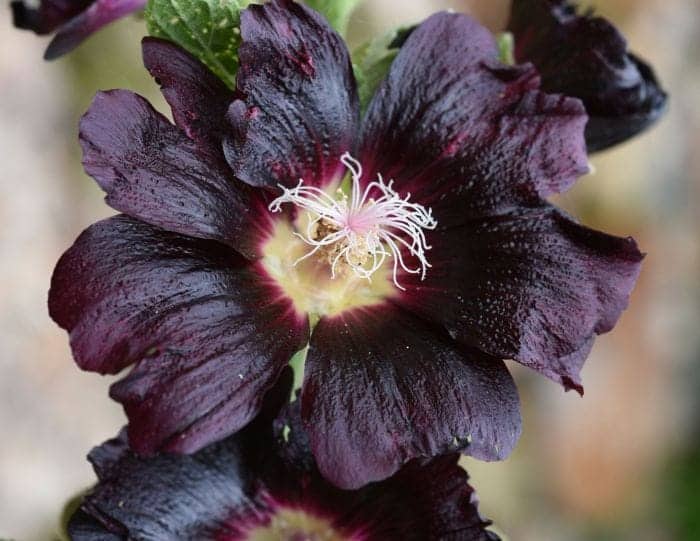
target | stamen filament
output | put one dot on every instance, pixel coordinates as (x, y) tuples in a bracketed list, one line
[(366, 230)]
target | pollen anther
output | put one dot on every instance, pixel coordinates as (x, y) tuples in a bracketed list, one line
[(362, 230)]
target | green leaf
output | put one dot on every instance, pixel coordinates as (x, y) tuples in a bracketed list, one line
[(336, 11), (372, 60), (505, 48), (209, 29)]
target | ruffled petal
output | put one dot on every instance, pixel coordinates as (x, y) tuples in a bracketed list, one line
[(207, 337), (154, 172), (380, 388), (443, 505), (586, 57), (464, 134), (99, 14), (530, 285), (300, 111), (164, 497), (197, 97)]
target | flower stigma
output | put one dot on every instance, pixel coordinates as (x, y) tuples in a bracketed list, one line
[(360, 231)]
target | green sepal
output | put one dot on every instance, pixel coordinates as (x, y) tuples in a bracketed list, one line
[(506, 46), (297, 363)]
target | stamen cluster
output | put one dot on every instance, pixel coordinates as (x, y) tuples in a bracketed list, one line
[(362, 230)]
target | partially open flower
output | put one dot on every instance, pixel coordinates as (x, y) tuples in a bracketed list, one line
[(253, 487), (585, 56), (72, 20), (411, 250)]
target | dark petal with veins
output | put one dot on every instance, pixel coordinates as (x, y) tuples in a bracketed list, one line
[(152, 171), (530, 285), (300, 112), (178, 497), (198, 98), (586, 57), (381, 387), (99, 14), (207, 338), (162, 497), (465, 135)]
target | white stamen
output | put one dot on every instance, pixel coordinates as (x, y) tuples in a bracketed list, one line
[(364, 230)]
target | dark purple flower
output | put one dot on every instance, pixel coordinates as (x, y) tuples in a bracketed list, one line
[(73, 20), (409, 293), (586, 57), (258, 485)]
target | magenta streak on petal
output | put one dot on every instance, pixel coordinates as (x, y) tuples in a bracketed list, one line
[(454, 145)]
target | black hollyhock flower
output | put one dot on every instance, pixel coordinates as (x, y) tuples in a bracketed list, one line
[(73, 20), (410, 277), (586, 57), (256, 487)]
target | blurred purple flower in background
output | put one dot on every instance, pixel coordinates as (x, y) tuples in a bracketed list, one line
[(586, 57), (72, 20)]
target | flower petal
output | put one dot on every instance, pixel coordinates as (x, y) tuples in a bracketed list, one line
[(380, 388), (443, 505), (464, 134), (301, 110), (154, 172), (207, 337), (163, 497), (99, 14), (586, 57), (85, 527), (47, 15), (530, 285), (198, 98)]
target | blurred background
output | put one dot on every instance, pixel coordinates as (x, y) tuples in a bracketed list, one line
[(621, 463)]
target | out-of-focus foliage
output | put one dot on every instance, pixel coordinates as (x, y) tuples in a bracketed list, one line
[(681, 497), (336, 11), (373, 59)]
